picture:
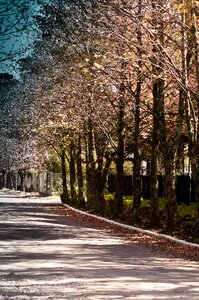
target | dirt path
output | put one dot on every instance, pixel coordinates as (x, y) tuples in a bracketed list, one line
[(45, 256)]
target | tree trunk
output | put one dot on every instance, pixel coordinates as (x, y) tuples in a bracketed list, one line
[(102, 164), (72, 174), (80, 181), (8, 180), (1, 180), (99, 183), (170, 189), (98, 191), (158, 108), (12, 181), (154, 196), (89, 166), (4, 175), (65, 195), (22, 175), (195, 36), (137, 160), (48, 183), (195, 174), (190, 50), (120, 157), (158, 128), (16, 180)]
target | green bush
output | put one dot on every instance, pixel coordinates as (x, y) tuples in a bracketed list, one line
[(184, 210), (185, 220), (189, 228)]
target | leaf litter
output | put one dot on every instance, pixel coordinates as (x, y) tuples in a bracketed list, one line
[(159, 245)]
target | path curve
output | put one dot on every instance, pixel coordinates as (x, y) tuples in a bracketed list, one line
[(44, 256)]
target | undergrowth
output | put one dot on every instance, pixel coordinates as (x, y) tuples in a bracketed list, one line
[(185, 218)]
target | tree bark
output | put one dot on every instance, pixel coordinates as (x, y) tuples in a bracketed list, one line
[(4, 175), (22, 175), (80, 181), (101, 171), (72, 173), (194, 33), (170, 188), (190, 50), (90, 166), (120, 155), (158, 129), (158, 104), (65, 196), (137, 159)]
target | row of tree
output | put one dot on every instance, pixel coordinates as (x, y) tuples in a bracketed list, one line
[(109, 79)]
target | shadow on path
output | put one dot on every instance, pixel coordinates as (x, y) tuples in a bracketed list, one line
[(45, 256)]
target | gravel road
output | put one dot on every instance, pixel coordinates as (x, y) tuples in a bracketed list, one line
[(44, 256)]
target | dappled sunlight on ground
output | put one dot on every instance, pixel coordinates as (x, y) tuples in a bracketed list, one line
[(45, 256)]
